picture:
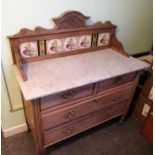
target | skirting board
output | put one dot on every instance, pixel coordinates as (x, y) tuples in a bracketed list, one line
[(15, 130)]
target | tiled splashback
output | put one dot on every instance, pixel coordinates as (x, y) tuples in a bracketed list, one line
[(46, 47)]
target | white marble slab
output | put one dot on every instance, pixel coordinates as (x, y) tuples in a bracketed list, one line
[(55, 75)]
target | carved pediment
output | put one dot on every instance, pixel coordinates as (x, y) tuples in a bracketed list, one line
[(72, 19), (68, 21)]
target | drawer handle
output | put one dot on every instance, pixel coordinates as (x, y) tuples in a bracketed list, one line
[(70, 114), (68, 130), (116, 98), (117, 79), (68, 95), (110, 112)]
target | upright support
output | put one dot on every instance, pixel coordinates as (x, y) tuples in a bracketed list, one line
[(130, 100), (38, 129)]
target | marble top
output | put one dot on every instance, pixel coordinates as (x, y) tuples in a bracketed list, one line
[(52, 76)]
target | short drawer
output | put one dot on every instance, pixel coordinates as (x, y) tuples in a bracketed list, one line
[(69, 113), (116, 96), (69, 129), (68, 96), (116, 81)]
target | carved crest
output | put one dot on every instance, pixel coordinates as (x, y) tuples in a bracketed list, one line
[(70, 20)]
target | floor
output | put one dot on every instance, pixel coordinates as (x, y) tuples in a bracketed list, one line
[(110, 138)]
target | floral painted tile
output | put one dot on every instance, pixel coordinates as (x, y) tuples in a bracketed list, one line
[(85, 41), (28, 49), (53, 46), (103, 39), (70, 43)]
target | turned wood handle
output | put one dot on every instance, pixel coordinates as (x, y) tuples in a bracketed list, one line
[(68, 95), (68, 130), (70, 114)]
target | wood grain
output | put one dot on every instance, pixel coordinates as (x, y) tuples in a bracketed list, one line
[(52, 119), (74, 111), (82, 124)]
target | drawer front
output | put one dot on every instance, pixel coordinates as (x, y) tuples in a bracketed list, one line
[(62, 132), (66, 114), (68, 96), (119, 80)]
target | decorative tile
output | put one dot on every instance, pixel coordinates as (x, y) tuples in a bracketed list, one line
[(94, 40), (42, 48), (103, 39), (28, 49), (53, 46), (85, 41), (70, 43)]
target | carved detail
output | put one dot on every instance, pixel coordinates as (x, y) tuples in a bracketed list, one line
[(116, 43), (41, 30), (72, 19), (106, 24), (69, 21), (25, 31), (73, 23)]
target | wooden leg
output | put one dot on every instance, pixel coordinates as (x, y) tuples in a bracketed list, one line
[(28, 128), (26, 119)]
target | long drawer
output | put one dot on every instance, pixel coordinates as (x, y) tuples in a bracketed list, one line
[(69, 113), (114, 82), (62, 132), (65, 97)]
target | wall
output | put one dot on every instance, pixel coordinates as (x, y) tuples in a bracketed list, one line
[(134, 20)]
